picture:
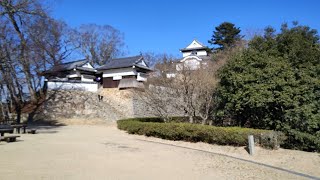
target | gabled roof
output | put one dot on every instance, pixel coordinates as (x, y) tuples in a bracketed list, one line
[(70, 66), (124, 63), (194, 45), (86, 69)]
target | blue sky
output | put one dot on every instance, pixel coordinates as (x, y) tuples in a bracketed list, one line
[(165, 26)]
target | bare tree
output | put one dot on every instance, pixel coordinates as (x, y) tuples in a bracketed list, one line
[(176, 87), (206, 84), (9, 68), (50, 43), (19, 13), (195, 88), (154, 59), (100, 43), (30, 42), (178, 96)]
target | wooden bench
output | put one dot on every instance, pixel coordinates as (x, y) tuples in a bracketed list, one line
[(17, 127), (3, 131), (9, 138), (31, 131)]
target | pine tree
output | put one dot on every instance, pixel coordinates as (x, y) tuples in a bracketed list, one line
[(225, 35)]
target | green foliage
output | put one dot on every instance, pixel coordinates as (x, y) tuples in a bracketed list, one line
[(275, 84), (225, 35), (149, 119), (200, 133)]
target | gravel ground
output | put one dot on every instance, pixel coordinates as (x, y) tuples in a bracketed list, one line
[(104, 152)]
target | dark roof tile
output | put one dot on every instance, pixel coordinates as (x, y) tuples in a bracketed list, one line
[(69, 65), (195, 48), (123, 63)]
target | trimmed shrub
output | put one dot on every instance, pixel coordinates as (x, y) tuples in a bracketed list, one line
[(185, 119), (148, 119), (302, 141), (200, 133)]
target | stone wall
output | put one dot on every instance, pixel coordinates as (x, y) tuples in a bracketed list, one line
[(129, 103), (77, 104), (121, 100), (115, 104)]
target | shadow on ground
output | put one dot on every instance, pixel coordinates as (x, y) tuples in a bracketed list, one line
[(45, 126)]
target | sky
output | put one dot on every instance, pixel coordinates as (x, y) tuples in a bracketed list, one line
[(165, 26)]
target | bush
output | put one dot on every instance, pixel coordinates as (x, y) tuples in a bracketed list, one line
[(149, 119), (200, 133), (185, 119), (302, 141)]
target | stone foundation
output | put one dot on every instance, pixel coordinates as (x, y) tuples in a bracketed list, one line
[(114, 105), (77, 104)]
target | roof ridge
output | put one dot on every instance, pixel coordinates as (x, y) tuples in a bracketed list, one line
[(73, 61), (199, 43), (125, 57), (122, 62), (195, 48)]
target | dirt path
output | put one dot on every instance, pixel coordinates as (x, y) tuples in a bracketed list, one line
[(103, 152)]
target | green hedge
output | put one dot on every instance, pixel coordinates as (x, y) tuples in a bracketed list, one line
[(200, 133), (302, 141)]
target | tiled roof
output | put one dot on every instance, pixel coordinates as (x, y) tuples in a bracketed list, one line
[(123, 63), (195, 48), (191, 49), (69, 65), (86, 69), (200, 43)]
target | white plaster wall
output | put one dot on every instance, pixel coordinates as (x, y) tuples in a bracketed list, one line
[(72, 86), (73, 75), (86, 79), (199, 53), (202, 53), (194, 44), (117, 77), (119, 72), (141, 77), (88, 65), (185, 54), (142, 63)]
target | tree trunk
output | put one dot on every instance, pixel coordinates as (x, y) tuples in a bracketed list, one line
[(31, 116), (15, 96), (24, 62), (18, 111), (204, 121), (30, 87), (2, 111), (191, 119)]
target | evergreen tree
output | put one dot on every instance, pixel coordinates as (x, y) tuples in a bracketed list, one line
[(275, 84), (225, 35)]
